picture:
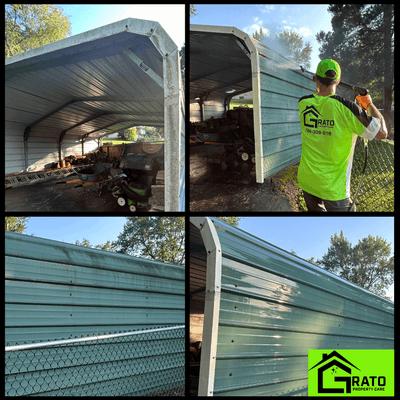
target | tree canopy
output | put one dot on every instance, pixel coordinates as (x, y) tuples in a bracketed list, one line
[(158, 238), (362, 42), (16, 224), (288, 43), (367, 264), (28, 26)]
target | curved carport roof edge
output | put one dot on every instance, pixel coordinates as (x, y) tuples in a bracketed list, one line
[(255, 73)]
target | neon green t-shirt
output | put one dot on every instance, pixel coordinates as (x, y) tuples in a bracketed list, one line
[(329, 129)]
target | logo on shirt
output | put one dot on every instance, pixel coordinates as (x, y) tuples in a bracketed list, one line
[(312, 118)]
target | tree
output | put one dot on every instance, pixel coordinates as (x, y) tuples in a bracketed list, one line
[(158, 238), (85, 243), (153, 134), (16, 224), (362, 42), (292, 47), (288, 43), (234, 221), (192, 10), (182, 60), (28, 26), (131, 133), (260, 35), (367, 264)]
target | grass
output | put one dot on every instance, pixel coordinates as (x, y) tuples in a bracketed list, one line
[(115, 142), (239, 103), (377, 190)]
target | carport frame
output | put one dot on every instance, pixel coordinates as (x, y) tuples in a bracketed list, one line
[(172, 96), (252, 53)]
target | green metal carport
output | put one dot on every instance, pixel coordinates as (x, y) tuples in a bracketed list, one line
[(225, 62), (263, 308), (62, 97), (83, 321)]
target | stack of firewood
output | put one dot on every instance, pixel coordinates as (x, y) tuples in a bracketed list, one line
[(195, 351), (157, 192)]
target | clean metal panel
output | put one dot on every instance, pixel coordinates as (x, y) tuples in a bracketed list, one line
[(274, 307)]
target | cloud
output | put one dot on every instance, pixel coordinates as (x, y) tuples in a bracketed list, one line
[(267, 8), (255, 27), (305, 32)]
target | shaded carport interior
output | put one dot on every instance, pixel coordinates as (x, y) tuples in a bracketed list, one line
[(62, 97), (220, 68)]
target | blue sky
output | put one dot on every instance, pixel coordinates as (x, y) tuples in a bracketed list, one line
[(307, 20), (69, 229), (86, 17), (310, 236)]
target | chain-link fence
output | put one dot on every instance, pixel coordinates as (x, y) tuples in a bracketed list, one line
[(377, 187), (140, 363)]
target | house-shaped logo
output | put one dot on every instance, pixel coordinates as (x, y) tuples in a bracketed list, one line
[(333, 362), (307, 113)]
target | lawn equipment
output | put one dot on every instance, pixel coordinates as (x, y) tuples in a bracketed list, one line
[(129, 177)]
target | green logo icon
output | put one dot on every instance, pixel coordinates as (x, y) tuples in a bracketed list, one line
[(351, 372)]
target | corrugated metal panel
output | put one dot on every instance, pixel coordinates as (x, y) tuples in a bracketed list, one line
[(56, 291), (89, 85), (225, 61), (281, 86), (275, 306)]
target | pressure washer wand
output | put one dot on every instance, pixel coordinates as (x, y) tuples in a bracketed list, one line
[(358, 90)]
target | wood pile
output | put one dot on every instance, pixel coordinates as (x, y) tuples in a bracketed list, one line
[(157, 192), (195, 352)]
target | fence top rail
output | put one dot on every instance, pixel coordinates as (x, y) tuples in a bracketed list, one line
[(86, 339)]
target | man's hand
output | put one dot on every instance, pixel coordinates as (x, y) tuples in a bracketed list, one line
[(364, 101)]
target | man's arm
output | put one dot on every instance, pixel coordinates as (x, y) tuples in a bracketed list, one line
[(373, 112)]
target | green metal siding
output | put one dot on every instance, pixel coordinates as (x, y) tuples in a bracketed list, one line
[(281, 86), (275, 306), (56, 291)]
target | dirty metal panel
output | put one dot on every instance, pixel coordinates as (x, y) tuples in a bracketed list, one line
[(275, 306), (55, 291), (119, 69), (71, 289)]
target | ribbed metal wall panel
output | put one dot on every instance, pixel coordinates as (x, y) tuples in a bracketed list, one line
[(77, 291), (275, 306), (281, 86), (56, 291), (44, 152)]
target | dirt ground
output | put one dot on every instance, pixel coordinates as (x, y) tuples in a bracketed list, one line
[(218, 186), (51, 196)]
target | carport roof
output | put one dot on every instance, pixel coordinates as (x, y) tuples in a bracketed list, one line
[(220, 64), (92, 84)]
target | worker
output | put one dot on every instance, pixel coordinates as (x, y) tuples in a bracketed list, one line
[(330, 125)]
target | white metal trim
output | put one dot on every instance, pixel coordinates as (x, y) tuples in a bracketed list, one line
[(255, 71), (212, 305), (86, 339)]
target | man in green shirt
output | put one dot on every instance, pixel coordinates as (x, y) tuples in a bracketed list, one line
[(330, 125)]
